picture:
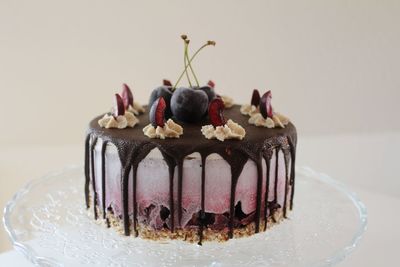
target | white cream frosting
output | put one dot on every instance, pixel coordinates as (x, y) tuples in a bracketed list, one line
[(136, 108), (120, 122), (277, 120), (248, 109), (170, 130), (228, 101), (231, 130)]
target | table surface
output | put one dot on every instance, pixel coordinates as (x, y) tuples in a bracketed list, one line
[(367, 163)]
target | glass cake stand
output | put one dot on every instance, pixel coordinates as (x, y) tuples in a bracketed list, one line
[(47, 221)]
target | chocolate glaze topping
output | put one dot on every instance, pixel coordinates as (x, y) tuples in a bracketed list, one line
[(268, 166), (133, 146), (103, 177), (93, 176)]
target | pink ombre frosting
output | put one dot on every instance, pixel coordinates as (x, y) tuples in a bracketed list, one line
[(153, 185)]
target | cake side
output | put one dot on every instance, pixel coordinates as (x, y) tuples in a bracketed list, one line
[(186, 188)]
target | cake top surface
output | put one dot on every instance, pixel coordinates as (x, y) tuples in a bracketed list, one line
[(192, 139)]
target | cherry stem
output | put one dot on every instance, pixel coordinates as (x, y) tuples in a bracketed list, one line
[(190, 61), (190, 65), (185, 59)]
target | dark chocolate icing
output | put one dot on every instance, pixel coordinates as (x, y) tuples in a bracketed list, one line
[(103, 180), (267, 158), (133, 146), (93, 176)]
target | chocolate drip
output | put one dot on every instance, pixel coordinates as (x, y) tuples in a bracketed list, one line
[(259, 187), (103, 178), (180, 183), (276, 175), (203, 193), (171, 168), (125, 205), (286, 157), (237, 165), (87, 171), (93, 177), (292, 169), (171, 197), (232, 207), (134, 179), (268, 166), (133, 147), (126, 163), (137, 155)]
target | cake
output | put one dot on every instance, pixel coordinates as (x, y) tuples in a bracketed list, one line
[(190, 165)]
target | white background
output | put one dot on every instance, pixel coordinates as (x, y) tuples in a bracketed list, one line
[(332, 66)]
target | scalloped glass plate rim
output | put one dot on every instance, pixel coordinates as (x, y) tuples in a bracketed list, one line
[(335, 258)]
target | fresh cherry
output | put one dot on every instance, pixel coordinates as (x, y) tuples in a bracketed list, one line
[(127, 96), (189, 104), (209, 91), (255, 98), (157, 112), (164, 91), (211, 84), (119, 108), (215, 112), (265, 105)]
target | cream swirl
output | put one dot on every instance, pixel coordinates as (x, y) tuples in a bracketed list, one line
[(231, 130), (228, 101), (277, 120), (136, 108), (121, 122), (247, 109), (170, 130)]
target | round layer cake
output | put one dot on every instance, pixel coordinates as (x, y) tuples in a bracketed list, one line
[(190, 188)]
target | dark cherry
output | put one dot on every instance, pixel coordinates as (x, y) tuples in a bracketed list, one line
[(215, 112), (255, 98), (119, 108), (157, 112), (189, 104), (209, 91), (127, 96), (166, 92), (211, 84), (265, 105)]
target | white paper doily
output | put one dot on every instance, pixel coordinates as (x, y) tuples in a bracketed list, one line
[(47, 221)]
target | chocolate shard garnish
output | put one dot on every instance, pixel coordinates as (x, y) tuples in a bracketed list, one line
[(211, 84), (157, 112), (265, 105), (118, 109), (255, 98), (127, 96), (215, 112), (167, 82)]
